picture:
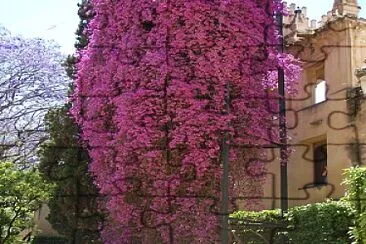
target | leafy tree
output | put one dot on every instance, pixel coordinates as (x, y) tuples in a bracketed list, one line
[(73, 208), (162, 88), (85, 13), (32, 80), (22, 192)]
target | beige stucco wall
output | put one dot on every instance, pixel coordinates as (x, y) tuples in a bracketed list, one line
[(340, 52)]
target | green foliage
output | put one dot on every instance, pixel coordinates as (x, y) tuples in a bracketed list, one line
[(265, 215), (326, 222), (356, 196), (49, 240), (258, 227), (320, 223), (73, 209), (85, 13), (22, 192)]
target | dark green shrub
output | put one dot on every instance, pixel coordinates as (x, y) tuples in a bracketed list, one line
[(258, 227), (326, 222), (319, 223), (49, 240), (356, 196)]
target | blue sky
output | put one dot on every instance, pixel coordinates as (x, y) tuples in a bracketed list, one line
[(49, 19), (58, 20)]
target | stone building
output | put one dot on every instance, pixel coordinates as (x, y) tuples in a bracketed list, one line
[(326, 119)]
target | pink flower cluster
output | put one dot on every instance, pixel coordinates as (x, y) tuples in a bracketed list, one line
[(159, 87)]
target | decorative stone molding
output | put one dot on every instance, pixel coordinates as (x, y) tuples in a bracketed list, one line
[(297, 24), (346, 7)]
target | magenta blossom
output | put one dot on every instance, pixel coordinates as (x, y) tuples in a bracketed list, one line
[(159, 87)]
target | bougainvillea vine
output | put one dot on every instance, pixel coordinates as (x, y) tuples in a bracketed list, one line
[(159, 87)]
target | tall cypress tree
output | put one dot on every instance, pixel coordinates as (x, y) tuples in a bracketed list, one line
[(74, 209)]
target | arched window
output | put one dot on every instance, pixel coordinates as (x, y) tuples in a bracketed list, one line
[(320, 90), (320, 163)]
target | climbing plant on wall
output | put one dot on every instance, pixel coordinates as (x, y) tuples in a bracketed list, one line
[(161, 86)]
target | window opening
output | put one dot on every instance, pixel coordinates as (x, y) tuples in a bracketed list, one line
[(320, 88), (320, 163), (320, 91)]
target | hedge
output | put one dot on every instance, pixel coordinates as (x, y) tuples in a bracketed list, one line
[(320, 223), (258, 227), (327, 222)]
